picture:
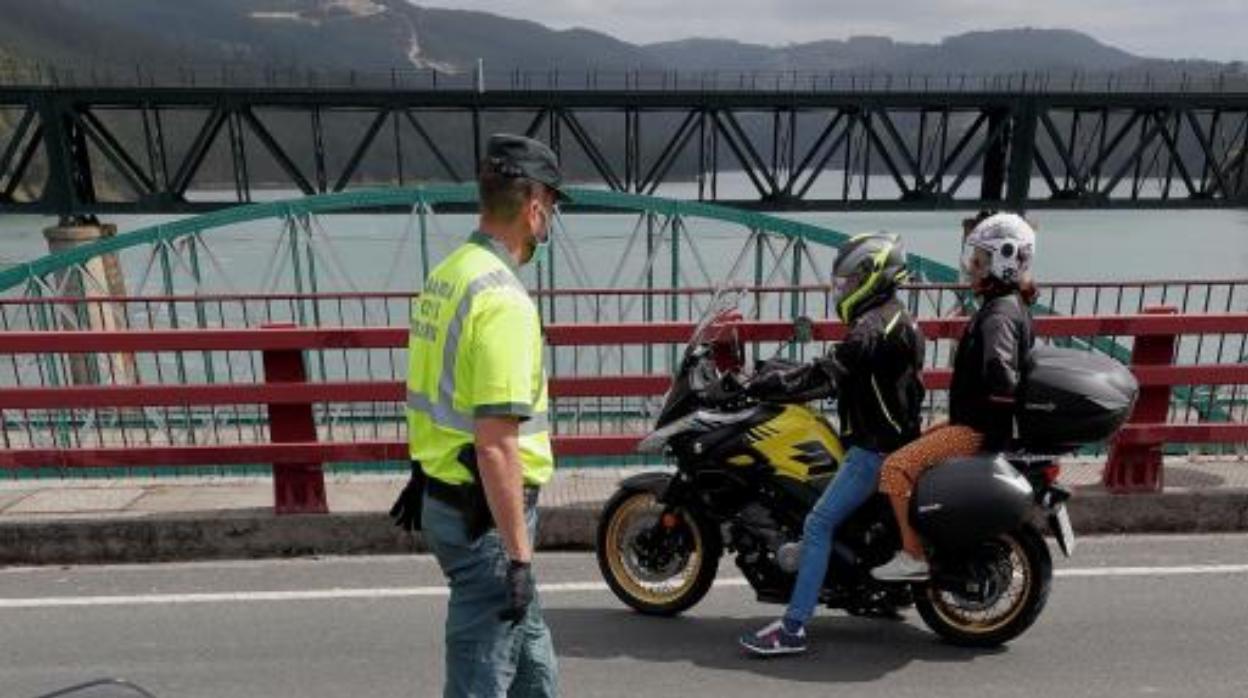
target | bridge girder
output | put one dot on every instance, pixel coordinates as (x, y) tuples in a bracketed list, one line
[(83, 151)]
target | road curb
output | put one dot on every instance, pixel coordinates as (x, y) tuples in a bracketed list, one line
[(257, 533), (1174, 511)]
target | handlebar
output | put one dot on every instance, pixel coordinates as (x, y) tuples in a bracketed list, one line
[(709, 383)]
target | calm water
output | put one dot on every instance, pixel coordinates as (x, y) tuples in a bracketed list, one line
[(1072, 245)]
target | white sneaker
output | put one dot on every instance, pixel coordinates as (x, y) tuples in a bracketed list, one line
[(904, 567)]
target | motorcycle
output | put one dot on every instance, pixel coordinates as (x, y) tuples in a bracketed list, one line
[(747, 472)]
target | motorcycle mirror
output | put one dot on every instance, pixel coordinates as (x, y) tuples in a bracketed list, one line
[(803, 329)]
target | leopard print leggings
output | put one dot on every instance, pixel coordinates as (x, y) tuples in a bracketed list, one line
[(903, 467)]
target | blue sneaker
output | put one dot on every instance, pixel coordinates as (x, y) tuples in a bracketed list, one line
[(774, 640)]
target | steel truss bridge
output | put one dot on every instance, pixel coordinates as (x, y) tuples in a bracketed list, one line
[(81, 151)]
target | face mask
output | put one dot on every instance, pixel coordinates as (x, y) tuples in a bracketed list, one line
[(541, 243), (541, 252)]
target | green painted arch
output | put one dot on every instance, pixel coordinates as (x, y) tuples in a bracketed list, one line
[(343, 202), (433, 195)]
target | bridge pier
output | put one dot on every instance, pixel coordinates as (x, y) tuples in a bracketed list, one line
[(93, 281)]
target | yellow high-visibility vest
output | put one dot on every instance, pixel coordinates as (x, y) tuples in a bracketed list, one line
[(475, 350)]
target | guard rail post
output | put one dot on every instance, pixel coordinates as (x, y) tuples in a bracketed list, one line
[(1137, 467), (298, 488)]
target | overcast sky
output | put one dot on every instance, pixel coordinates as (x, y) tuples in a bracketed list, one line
[(1214, 29)]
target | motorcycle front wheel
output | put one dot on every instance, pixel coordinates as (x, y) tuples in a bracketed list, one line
[(1007, 582), (658, 561)]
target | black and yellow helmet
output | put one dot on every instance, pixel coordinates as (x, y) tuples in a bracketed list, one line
[(867, 268)]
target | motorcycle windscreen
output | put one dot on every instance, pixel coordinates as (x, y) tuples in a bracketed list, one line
[(963, 501)]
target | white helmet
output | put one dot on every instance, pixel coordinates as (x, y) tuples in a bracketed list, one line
[(1002, 246)]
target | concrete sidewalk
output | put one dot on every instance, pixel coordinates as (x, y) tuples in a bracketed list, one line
[(185, 518)]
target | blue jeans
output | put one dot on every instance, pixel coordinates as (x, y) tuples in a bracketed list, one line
[(486, 657), (853, 485)]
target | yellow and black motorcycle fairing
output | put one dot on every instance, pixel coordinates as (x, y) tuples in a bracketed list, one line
[(794, 441)]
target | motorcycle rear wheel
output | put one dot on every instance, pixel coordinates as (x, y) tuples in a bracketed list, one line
[(1018, 570), (655, 575)]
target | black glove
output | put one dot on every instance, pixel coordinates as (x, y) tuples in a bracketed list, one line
[(801, 383), (520, 591), (407, 508), (766, 385)]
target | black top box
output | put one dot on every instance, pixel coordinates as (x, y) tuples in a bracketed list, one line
[(1072, 398)]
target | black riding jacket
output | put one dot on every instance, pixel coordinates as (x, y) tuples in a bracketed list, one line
[(875, 373), (988, 369)]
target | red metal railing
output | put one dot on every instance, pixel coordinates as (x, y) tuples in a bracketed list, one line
[(598, 305), (296, 448), (576, 306)]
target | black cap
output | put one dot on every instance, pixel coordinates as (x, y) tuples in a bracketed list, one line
[(517, 156)]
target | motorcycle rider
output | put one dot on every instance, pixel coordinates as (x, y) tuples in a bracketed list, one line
[(876, 373), (996, 260)]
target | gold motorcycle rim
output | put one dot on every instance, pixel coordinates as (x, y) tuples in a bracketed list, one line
[(635, 515), (969, 617)]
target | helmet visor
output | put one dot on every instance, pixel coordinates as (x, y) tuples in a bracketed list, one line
[(844, 286)]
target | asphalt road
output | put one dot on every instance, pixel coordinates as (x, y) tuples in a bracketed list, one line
[(1127, 617)]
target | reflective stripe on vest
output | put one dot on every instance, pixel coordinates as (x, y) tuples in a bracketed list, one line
[(498, 278), (443, 412)]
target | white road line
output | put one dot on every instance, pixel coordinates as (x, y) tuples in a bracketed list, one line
[(1151, 571), (442, 591), (223, 597), (293, 595)]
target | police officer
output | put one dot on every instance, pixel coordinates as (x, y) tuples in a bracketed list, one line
[(478, 433)]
